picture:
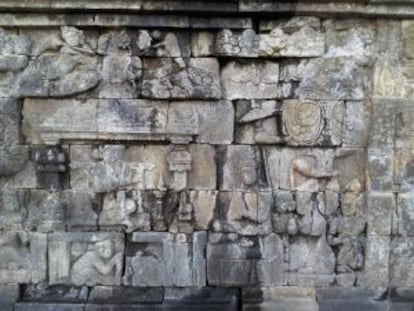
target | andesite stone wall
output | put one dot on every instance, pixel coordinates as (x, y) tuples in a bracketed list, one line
[(243, 161)]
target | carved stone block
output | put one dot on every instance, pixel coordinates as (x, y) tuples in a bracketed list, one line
[(380, 169), (350, 37), (13, 156), (164, 259), (51, 164), (401, 263), (238, 213), (296, 37), (121, 76), (250, 80), (204, 204), (307, 170), (47, 122), (403, 168), (258, 122), (202, 44), (311, 262), (86, 258), (23, 257), (404, 221), (245, 261), (240, 168), (377, 263), (55, 293), (356, 124), (202, 175), (313, 122), (181, 78), (214, 126), (124, 211), (380, 208), (350, 76), (244, 44), (105, 168), (58, 76)]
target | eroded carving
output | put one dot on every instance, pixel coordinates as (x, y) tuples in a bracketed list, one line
[(22, 257), (85, 258)]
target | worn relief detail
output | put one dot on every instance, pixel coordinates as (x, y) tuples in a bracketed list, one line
[(178, 161), (86, 258)]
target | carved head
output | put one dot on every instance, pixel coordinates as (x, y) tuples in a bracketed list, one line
[(104, 249)]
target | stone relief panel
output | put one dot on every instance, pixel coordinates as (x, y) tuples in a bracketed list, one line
[(86, 258), (23, 257), (161, 259), (228, 152)]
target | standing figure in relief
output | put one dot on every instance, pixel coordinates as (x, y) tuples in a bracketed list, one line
[(99, 265), (14, 253)]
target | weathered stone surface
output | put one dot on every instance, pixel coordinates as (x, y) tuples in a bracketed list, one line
[(243, 44), (349, 76), (202, 44), (257, 122), (238, 213), (55, 293), (202, 175), (120, 77), (204, 204), (350, 37), (403, 218), (381, 207), (296, 37), (377, 262), (380, 169), (312, 122), (105, 168), (181, 78), (403, 177), (216, 124), (125, 295), (279, 298), (356, 124), (23, 257), (124, 211), (401, 263), (101, 119), (85, 258), (240, 168), (9, 294), (233, 260), (312, 262), (13, 156), (402, 299), (164, 259), (352, 299), (33, 306), (408, 40), (57, 76), (250, 80)]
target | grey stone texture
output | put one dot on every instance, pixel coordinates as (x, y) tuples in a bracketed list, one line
[(156, 157)]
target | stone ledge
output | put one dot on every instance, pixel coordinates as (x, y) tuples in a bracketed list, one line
[(400, 8)]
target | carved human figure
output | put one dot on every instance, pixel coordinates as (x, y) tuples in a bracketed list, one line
[(306, 176), (74, 41), (167, 46), (98, 265), (14, 252)]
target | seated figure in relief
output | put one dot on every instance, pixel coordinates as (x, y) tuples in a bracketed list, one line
[(97, 266)]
